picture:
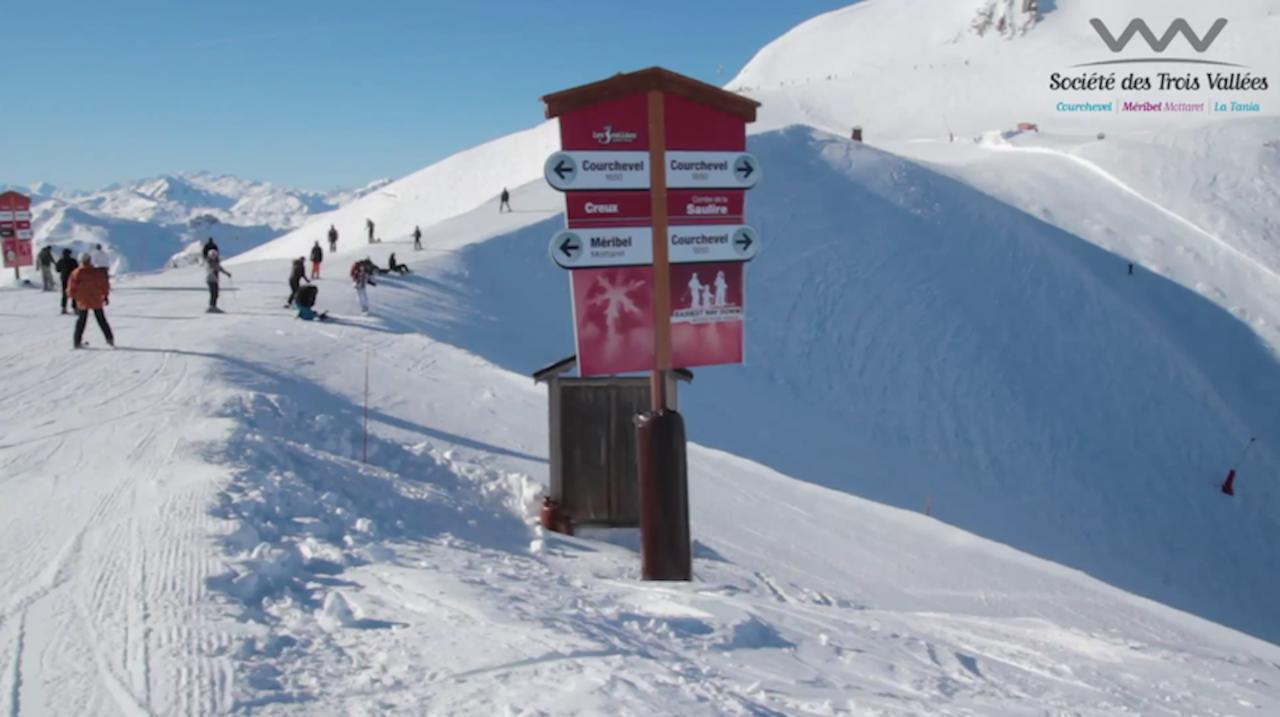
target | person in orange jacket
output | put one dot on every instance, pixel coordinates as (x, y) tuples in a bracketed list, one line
[(90, 287)]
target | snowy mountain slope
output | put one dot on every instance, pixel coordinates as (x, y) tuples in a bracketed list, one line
[(919, 68), (1183, 205), (1205, 182), (202, 537), (917, 343), (442, 190)]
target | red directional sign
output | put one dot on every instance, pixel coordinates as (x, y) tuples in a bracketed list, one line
[(654, 154), (15, 229)]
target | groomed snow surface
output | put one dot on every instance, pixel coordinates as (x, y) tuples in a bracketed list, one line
[(195, 531)]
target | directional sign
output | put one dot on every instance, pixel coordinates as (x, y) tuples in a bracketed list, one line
[(569, 171), (688, 244), (706, 170), (705, 206), (607, 209), (603, 246)]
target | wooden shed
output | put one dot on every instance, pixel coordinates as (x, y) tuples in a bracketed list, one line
[(594, 474)]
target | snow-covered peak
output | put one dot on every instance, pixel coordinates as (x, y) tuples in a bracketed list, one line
[(911, 69), (1005, 18)]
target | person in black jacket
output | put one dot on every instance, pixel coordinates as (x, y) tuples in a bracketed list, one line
[(297, 275), (66, 264), (417, 238), (333, 239), (208, 247), (317, 256)]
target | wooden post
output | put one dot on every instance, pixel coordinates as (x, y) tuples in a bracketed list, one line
[(661, 266)]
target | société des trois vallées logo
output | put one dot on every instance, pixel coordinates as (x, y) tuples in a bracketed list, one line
[(1187, 84), (609, 135)]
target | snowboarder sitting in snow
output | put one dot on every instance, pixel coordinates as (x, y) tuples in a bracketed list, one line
[(305, 304), (393, 265)]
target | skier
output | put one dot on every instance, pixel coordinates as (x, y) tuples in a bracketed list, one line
[(333, 239), (368, 224), (417, 238), (361, 276), (101, 261), (317, 256), (393, 265), (208, 247), (213, 267), (66, 265), (89, 287), (45, 260), (504, 201), (297, 275)]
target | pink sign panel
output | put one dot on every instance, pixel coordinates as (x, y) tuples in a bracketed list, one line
[(708, 308), (613, 319), (17, 252)]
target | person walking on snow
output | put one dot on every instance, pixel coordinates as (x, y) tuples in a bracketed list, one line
[(317, 256), (101, 261), (504, 201), (90, 287), (368, 224), (66, 264), (213, 268), (45, 261), (417, 238), (361, 276), (208, 247), (333, 239), (297, 275)]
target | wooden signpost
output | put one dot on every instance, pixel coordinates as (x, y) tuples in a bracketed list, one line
[(654, 155)]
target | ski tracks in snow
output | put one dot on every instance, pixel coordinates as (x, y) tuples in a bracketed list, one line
[(104, 516)]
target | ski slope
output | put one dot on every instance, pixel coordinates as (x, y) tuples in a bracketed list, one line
[(200, 536), (970, 468)]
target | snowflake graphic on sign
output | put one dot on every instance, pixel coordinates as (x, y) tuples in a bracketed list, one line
[(613, 315)]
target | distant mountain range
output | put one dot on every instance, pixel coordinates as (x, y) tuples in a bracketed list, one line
[(148, 223)]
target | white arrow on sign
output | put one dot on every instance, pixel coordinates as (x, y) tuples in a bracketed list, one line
[(712, 170), (614, 246), (690, 244), (568, 171)]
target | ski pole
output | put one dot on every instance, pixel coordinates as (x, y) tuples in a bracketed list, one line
[(1245, 453), (365, 458)]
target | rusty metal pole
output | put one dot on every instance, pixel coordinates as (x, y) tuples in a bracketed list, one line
[(665, 547), (661, 267)]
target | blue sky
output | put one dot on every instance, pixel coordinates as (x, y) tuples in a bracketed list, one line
[(323, 94)]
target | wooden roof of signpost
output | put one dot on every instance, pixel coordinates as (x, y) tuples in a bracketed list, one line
[(653, 78)]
